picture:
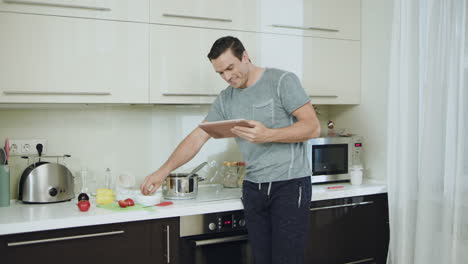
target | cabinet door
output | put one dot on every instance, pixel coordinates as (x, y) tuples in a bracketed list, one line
[(165, 241), (127, 10), (114, 243), (340, 19), (49, 59), (333, 74), (222, 14), (328, 68), (347, 230), (180, 71)]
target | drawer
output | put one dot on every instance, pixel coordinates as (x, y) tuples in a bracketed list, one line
[(112, 243), (125, 10)]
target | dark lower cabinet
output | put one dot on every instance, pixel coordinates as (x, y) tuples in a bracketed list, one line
[(130, 242), (351, 230), (165, 241)]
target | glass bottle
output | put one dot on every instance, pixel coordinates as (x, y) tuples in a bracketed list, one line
[(108, 179), (84, 181)]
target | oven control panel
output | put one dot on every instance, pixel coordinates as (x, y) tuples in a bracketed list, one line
[(225, 221), (191, 225)]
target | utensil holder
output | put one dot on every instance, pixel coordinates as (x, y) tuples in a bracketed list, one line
[(4, 186)]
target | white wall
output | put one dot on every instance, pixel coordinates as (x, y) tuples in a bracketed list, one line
[(127, 139), (370, 117), (132, 139)]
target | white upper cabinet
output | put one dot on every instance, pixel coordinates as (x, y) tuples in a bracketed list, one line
[(333, 70), (329, 69), (339, 19), (125, 10), (180, 71), (221, 14), (56, 59)]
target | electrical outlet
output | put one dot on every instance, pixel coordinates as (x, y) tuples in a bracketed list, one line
[(19, 147)]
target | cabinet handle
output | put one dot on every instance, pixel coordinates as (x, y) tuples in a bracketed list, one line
[(340, 206), (360, 261), (324, 95), (54, 93), (168, 241), (23, 2), (40, 241), (220, 240), (198, 17), (306, 28)]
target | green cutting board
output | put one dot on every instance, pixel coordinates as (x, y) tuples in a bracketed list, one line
[(115, 207)]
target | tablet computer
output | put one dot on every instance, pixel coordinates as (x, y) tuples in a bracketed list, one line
[(222, 129)]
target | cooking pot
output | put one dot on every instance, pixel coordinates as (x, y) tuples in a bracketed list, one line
[(179, 186)]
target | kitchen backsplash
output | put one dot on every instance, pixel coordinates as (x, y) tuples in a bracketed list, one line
[(126, 139)]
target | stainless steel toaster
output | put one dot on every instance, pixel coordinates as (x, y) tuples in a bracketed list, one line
[(46, 182)]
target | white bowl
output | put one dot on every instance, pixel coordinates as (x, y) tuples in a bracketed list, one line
[(147, 200)]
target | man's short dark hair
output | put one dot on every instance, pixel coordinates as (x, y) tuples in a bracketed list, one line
[(225, 43)]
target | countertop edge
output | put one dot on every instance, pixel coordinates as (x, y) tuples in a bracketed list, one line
[(70, 217)]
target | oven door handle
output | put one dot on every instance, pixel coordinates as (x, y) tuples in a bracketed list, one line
[(213, 241)]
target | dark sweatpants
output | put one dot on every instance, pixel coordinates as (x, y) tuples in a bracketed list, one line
[(277, 219)]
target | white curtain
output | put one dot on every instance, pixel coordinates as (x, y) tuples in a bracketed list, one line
[(427, 134)]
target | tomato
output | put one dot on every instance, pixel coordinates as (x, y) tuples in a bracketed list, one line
[(83, 196), (83, 205), (123, 203), (129, 202)]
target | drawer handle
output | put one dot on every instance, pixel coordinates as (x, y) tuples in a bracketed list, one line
[(324, 95), (215, 241), (168, 241), (53, 93), (306, 28), (340, 206), (198, 17), (360, 261), (40, 241), (22, 2)]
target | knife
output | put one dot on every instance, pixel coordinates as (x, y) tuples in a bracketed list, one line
[(160, 204)]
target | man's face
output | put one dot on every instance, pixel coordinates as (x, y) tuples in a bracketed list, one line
[(231, 69)]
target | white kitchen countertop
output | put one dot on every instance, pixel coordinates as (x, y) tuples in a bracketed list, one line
[(22, 218)]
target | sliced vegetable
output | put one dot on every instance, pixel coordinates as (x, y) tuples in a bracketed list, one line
[(104, 196), (129, 202), (123, 203)]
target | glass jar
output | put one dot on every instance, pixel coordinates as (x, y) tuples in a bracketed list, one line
[(356, 174), (230, 174)]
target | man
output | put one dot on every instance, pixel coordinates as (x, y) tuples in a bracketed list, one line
[(277, 188)]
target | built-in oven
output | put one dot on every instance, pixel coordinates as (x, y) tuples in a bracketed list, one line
[(332, 157), (215, 238)]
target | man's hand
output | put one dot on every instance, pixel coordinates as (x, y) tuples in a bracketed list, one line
[(152, 182), (257, 133)]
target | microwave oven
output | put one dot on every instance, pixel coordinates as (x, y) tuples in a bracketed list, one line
[(330, 158)]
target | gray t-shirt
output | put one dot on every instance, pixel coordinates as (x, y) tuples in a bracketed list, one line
[(271, 101)]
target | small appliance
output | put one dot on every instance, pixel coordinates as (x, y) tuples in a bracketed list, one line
[(46, 182), (331, 158)]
